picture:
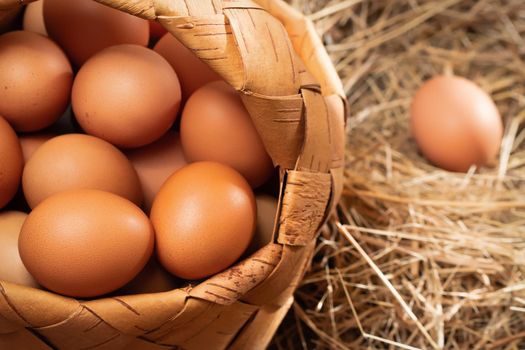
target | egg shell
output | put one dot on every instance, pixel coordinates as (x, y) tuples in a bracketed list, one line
[(127, 95), (11, 267), (36, 80), (85, 243), (84, 27), (31, 142), (267, 207), (34, 18), (456, 124), (217, 127), (192, 72), (204, 219), (11, 162), (76, 161), (155, 163)]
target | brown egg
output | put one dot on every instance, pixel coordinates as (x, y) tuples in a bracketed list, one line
[(36, 80), (192, 72), (216, 127), (85, 27), (11, 163), (77, 161), (31, 142), (127, 95), (11, 267), (152, 279), (34, 18), (204, 219), (267, 207), (85, 243), (456, 124), (155, 163)]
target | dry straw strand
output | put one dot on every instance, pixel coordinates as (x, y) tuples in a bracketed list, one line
[(449, 246)]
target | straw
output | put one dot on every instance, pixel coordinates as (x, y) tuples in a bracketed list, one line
[(417, 257)]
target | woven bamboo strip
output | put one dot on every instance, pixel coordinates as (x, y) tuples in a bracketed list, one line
[(272, 56)]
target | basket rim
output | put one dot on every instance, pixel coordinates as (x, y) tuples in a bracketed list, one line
[(275, 249)]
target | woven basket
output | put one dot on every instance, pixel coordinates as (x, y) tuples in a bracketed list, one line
[(272, 55)]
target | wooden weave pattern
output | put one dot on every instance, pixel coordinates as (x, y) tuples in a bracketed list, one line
[(272, 55)]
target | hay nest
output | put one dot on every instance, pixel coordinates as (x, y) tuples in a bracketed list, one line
[(419, 258)]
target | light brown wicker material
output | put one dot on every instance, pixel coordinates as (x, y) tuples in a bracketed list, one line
[(297, 103)]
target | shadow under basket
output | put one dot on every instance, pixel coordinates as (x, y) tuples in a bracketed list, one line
[(272, 56)]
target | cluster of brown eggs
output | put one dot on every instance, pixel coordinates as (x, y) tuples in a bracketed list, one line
[(116, 181)]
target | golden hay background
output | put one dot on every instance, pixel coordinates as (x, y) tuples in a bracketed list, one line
[(422, 259)]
